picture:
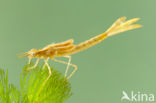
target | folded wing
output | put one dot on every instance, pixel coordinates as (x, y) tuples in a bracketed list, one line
[(60, 45), (64, 46)]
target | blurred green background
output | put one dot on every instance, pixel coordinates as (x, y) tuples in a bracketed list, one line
[(122, 62)]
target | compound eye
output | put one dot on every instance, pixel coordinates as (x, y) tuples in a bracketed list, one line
[(33, 54)]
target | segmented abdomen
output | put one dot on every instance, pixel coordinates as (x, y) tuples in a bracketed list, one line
[(84, 45)]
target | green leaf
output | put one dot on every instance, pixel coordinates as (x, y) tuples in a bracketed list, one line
[(56, 90)]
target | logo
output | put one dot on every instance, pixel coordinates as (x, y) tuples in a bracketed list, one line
[(137, 97)]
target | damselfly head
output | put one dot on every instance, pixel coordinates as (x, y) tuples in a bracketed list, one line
[(30, 53)]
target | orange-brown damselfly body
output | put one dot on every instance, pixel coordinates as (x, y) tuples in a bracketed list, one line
[(67, 48)]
